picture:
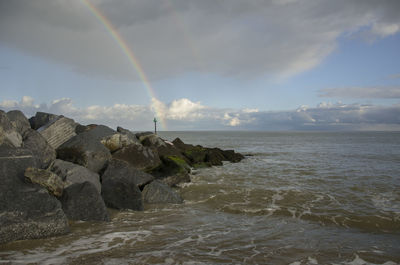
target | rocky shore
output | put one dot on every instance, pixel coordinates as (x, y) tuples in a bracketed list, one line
[(53, 170)]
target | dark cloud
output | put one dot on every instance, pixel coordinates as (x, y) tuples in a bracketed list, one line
[(170, 37), (361, 92)]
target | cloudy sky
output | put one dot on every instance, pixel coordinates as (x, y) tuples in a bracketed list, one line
[(211, 64)]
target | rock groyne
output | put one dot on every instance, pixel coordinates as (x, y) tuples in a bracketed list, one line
[(53, 169)]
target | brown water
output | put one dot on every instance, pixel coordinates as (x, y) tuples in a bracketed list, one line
[(301, 198)]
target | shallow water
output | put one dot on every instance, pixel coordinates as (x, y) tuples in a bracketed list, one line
[(300, 198)]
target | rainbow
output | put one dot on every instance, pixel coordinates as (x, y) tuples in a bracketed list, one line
[(131, 57)]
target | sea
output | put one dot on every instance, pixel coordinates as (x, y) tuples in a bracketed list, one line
[(297, 198)]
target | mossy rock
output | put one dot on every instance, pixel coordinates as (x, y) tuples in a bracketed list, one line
[(202, 165), (196, 154), (174, 168)]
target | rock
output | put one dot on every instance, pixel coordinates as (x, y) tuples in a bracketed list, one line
[(81, 201), (141, 134), (233, 157), (138, 156), (41, 119), (120, 185), (13, 162), (8, 133), (200, 156), (164, 148), (81, 128), (159, 192), (178, 143), (196, 154), (130, 134), (215, 156), (29, 212), (85, 149), (58, 131), (46, 179), (43, 152), (19, 121), (119, 169), (152, 140), (117, 141), (98, 132), (172, 171), (72, 173)]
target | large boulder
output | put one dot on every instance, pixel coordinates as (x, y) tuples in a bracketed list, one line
[(58, 131), (232, 156), (163, 147), (159, 192), (86, 150), (98, 132), (81, 201), (41, 149), (141, 134), (215, 156), (19, 121), (29, 212), (199, 156), (196, 155), (121, 184), (41, 119), (13, 162), (130, 134), (138, 156), (72, 173), (172, 171), (118, 141), (8, 133), (178, 143), (46, 179)]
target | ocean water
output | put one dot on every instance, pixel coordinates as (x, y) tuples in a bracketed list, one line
[(297, 198)]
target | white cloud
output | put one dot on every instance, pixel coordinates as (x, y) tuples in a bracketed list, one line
[(383, 29), (250, 110), (194, 116), (234, 122), (184, 108)]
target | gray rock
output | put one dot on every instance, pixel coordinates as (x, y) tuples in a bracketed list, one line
[(43, 152), (164, 148), (117, 141), (98, 132), (140, 134), (120, 185), (138, 156), (72, 173), (13, 162), (19, 121), (41, 119), (29, 212), (122, 169), (81, 201), (172, 171), (152, 140), (58, 131), (85, 149), (46, 179), (8, 133), (159, 192)]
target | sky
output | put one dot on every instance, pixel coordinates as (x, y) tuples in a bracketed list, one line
[(204, 65)]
